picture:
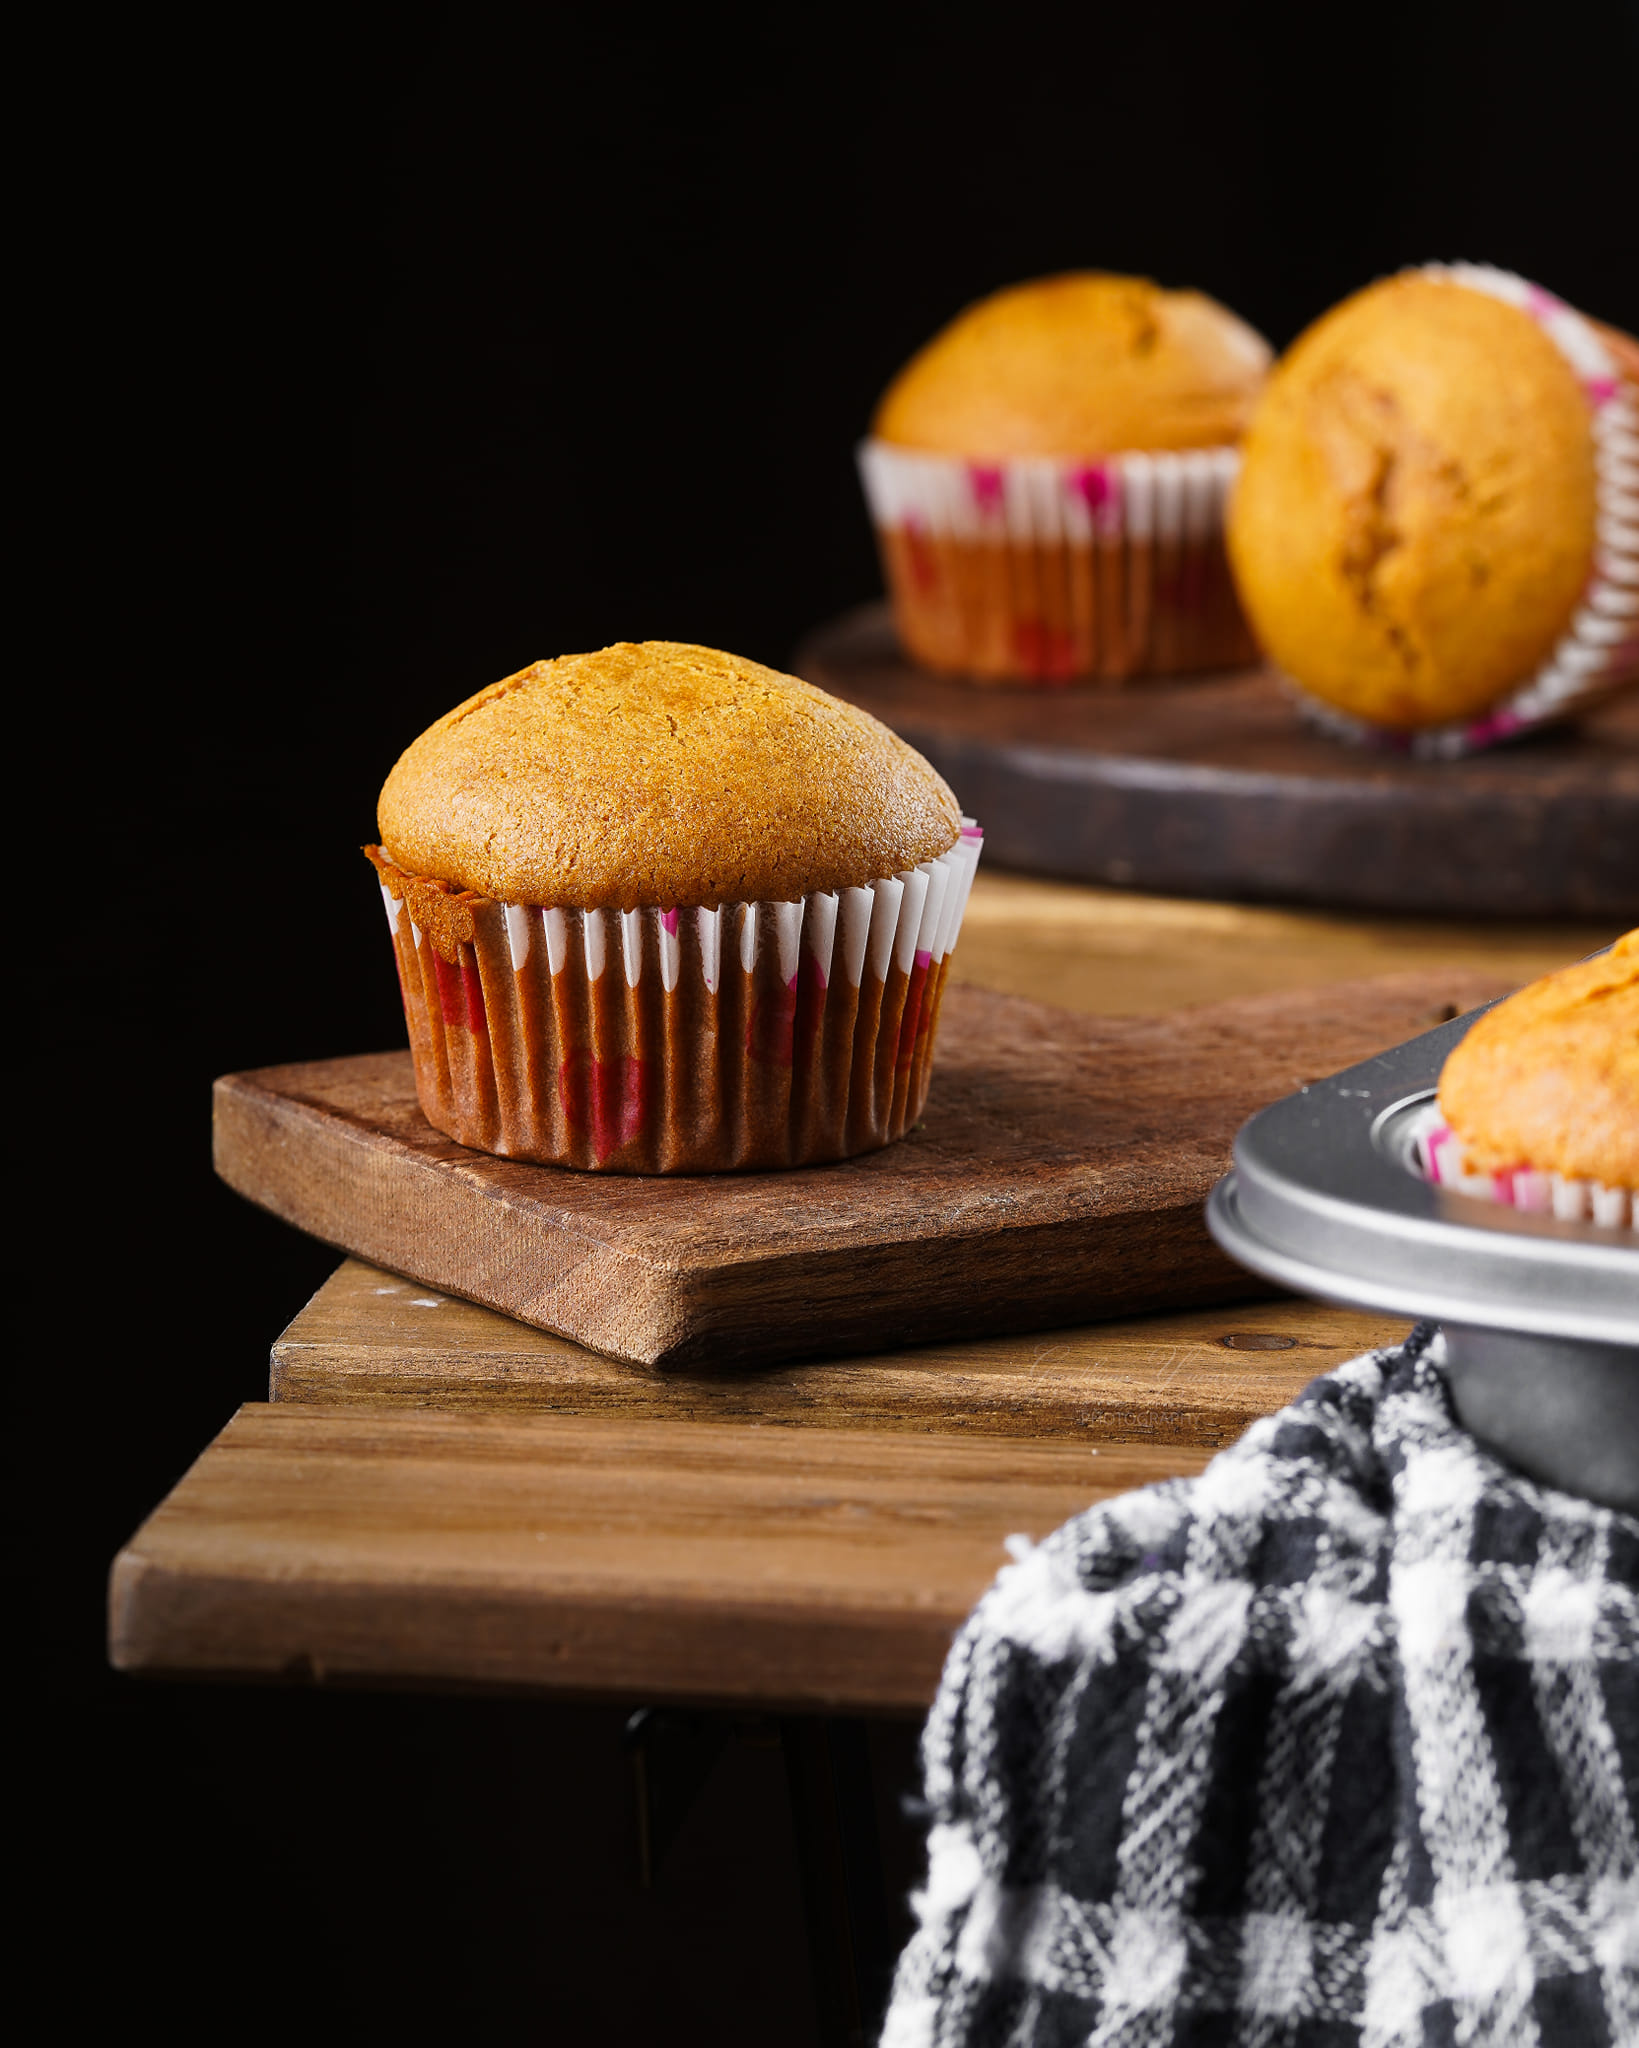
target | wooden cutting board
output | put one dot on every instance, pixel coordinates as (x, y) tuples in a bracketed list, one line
[(1057, 1176), (1214, 786)]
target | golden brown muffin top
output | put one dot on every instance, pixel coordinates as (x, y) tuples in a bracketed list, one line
[(1413, 523), (1550, 1078), (1082, 365), (660, 774)]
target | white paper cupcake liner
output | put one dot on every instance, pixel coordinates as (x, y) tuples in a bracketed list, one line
[(677, 1041), (1599, 650), (1442, 1158), (1047, 571)]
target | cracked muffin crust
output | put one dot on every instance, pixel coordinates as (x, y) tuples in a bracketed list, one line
[(1550, 1078), (1414, 522), (1085, 364), (660, 773)]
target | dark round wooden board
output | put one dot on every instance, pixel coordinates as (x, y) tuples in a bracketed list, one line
[(1214, 786)]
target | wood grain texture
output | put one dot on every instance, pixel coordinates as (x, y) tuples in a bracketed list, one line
[(1196, 1379), (662, 1560), (1058, 1174), (1114, 952), (1213, 786)]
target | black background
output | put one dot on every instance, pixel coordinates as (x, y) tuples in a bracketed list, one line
[(395, 353)]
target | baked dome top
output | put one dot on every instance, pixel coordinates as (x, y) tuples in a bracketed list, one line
[(659, 773), (1550, 1078), (1413, 522), (1086, 364)]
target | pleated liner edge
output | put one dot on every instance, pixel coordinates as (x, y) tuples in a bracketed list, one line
[(755, 1035)]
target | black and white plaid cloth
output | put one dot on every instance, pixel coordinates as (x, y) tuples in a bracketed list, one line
[(1337, 1743)]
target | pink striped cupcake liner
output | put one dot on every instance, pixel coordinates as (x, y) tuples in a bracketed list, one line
[(1598, 653), (1051, 572), (1442, 1158), (653, 1040)]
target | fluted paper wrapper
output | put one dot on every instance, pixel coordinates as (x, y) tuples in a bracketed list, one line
[(1045, 571), (1598, 653), (1443, 1158), (678, 1041)]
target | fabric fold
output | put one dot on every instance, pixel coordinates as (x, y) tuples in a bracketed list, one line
[(1336, 1742)]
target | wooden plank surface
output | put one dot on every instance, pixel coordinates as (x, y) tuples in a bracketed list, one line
[(1195, 1378), (442, 1495), (652, 1559), (1113, 952), (1058, 1174), (1213, 786)]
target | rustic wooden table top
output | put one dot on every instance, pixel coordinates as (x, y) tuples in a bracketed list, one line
[(1192, 1378), (672, 1560), (1111, 952), (438, 1495)]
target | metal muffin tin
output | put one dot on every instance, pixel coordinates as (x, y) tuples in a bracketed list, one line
[(1325, 1199)]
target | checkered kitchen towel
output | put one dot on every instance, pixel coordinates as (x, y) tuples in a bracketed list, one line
[(1337, 1743)]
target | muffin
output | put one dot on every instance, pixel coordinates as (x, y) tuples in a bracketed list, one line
[(1539, 1103), (1047, 479), (1435, 530), (660, 910)]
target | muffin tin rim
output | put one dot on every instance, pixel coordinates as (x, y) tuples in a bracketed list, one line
[(1318, 1201)]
